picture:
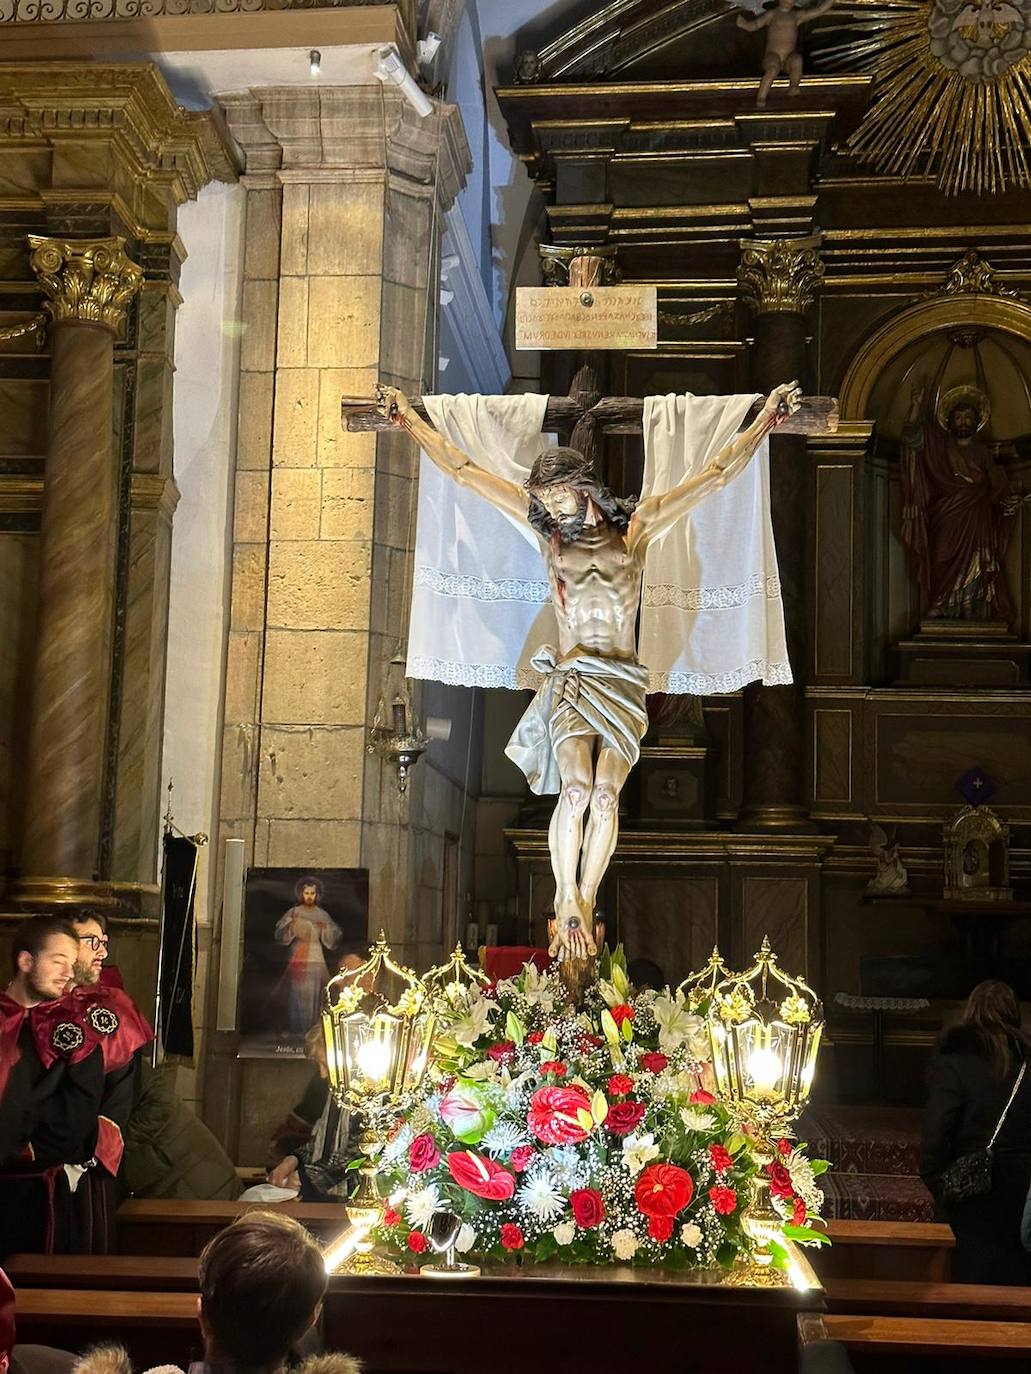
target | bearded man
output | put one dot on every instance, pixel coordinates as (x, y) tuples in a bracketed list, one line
[(582, 732)]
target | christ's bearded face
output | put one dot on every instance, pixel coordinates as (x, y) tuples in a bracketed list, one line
[(567, 506), (309, 894), (963, 422)]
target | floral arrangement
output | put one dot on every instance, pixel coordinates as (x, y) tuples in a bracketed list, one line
[(584, 1134)]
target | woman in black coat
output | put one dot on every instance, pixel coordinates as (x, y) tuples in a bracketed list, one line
[(970, 1080)]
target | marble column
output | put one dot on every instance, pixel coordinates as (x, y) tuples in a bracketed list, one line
[(778, 279), (88, 284)]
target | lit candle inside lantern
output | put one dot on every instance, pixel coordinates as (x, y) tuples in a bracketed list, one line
[(764, 1069), (374, 1060)]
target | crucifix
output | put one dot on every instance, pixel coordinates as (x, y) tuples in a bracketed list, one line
[(581, 734)]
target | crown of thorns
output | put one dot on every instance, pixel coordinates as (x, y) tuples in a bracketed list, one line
[(561, 467)]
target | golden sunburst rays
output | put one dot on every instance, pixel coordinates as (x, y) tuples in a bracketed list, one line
[(952, 88)]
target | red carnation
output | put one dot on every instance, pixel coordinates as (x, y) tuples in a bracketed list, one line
[(701, 1098), (798, 1213), (780, 1181), (590, 1042), (663, 1190), (423, 1154), (619, 1085), (416, 1242), (480, 1176), (622, 1013), (555, 1067), (660, 1228), (521, 1156), (723, 1199), (503, 1052), (653, 1062), (535, 1037), (784, 1147), (624, 1117), (390, 1217), (511, 1236), (553, 1115), (720, 1159), (588, 1208)]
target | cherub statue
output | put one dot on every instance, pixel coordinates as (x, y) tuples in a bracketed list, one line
[(890, 878), (782, 22)]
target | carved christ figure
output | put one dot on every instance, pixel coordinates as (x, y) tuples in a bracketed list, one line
[(582, 732)]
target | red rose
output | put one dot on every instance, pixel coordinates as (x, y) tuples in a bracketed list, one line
[(653, 1062), (588, 1208), (423, 1154), (660, 1228), (619, 1085), (784, 1147), (521, 1156), (535, 1037), (780, 1181), (663, 1190), (723, 1199), (416, 1242), (720, 1159), (798, 1213), (503, 1052), (590, 1042), (555, 1067), (390, 1217), (511, 1236), (701, 1098), (624, 1117), (622, 1013), (552, 1115), (479, 1176)]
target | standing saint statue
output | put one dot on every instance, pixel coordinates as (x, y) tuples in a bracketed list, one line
[(956, 508), (582, 732)]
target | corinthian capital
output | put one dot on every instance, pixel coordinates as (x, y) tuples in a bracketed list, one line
[(90, 280), (780, 276)]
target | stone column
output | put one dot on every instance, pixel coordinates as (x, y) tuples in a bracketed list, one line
[(778, 279), (89, 284)]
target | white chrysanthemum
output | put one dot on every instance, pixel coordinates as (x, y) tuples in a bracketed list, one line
[(396, 1148), (624, 1244), (803, 1180), (696, 1120), (637, 1151), (466, 1239), (564, 1232), (420, 1205), (541, 1197), (691, 1235), (502, 1138)]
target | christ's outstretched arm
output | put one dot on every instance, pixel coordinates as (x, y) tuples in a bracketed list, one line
[(507, 496), (657, 514)]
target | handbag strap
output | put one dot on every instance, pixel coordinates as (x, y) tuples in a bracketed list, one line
[(1009, 1104)]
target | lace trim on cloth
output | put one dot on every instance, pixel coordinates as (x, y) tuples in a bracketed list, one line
[(472, 674), (719, 684), (482, 589), (712, 598)]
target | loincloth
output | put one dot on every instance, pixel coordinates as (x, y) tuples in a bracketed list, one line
[(610, 705)]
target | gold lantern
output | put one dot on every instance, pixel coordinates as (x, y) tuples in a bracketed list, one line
[(764, 1029), (450, 984), (698, 988), (378, 1027)]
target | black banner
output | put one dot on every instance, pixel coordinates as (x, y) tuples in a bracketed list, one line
[(175, 983)]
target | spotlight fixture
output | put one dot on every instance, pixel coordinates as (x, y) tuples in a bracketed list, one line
[(390, 69), (315, 62)]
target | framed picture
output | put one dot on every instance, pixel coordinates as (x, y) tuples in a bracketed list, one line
[(298, 925)]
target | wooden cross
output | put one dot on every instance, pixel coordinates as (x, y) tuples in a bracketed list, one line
[(586, 414)]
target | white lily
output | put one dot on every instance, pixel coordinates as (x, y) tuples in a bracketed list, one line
[(638, 1150), (476, 1021), (679, 1026)]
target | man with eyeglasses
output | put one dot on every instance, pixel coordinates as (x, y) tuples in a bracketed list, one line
[(121, 1030)]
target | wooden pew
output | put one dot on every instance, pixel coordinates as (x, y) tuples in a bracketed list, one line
[(156, 1328), (164, 1226), (925, 1345), (153, 1273), (904, 1298), (914, 1250)]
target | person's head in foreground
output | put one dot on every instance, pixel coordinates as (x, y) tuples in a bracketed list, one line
[(262, 1281)]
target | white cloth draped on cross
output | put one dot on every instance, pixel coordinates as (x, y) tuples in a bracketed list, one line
[(712, 619)]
